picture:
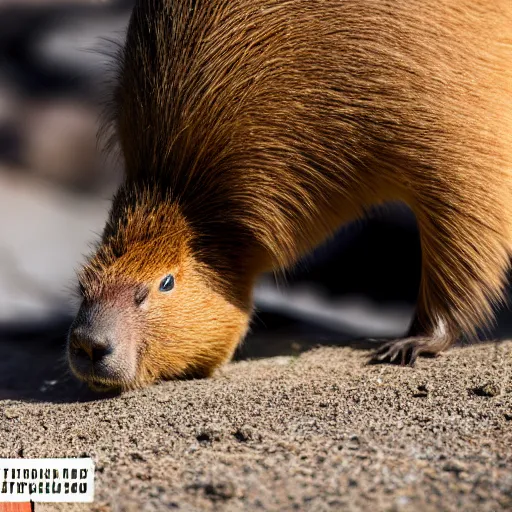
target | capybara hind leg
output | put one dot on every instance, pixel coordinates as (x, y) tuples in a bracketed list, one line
[(464, 267), (405, 351)]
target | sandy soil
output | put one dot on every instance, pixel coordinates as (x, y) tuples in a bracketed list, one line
[(319, 430)]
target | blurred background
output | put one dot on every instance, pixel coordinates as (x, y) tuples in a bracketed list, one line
[(54, 195)]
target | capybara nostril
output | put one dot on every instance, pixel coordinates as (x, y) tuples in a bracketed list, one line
[(98, 353), (87, 348)]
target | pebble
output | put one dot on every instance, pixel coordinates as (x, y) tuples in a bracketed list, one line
[(11, 413)]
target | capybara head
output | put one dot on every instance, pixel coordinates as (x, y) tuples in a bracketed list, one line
[(151, 307)]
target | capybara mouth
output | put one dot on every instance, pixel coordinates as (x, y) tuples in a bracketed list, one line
[(101, 387), (97, 384), (94, 382)]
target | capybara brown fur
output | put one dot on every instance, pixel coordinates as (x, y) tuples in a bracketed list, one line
[(251, 130)]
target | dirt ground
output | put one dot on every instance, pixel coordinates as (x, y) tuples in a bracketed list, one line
[(318, 430)]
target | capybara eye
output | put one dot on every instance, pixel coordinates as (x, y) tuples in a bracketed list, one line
[(167, 283)]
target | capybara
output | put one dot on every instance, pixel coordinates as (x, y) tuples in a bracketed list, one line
[(251, 130)]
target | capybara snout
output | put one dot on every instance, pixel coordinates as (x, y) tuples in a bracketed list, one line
[(100, 345)]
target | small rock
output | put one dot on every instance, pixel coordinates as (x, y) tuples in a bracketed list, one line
[(354, 443), (220, 490), (487, 390), (246, 433), (454, 467), (422, 391), (137, 457), (209, 433), (215, 491), (11, 413)]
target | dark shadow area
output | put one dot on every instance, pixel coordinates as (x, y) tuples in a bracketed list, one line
[(33, 365), (378, 257), (278, 335)]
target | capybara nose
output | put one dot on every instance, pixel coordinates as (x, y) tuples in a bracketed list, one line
[(88, 349)]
